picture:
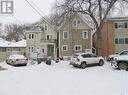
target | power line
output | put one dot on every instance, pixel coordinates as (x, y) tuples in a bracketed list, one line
[(37, 11), (37, 7), (33, 7)]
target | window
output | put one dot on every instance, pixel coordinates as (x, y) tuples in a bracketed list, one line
[(43, 50), (85, 35), (30, 49), (126, 40), (65, 35), (2, 49), (76, 22), (116, 41), (116, 26), (121, 40), (31, 36), (77, 48), (125, 25), (86, 55), (49, 37), (121, 25), (45, 27), (65, 48)]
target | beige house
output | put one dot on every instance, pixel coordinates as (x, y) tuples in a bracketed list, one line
[(41, 40), (74, 36), (7, 48)]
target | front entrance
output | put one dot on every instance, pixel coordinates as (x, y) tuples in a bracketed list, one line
[(51, 50)]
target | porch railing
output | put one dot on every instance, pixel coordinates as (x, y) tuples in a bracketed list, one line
[(48, 40)]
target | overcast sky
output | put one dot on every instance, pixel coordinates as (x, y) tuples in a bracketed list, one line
[(23, 12)]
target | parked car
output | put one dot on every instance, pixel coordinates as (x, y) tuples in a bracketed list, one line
[(120, 62), (111, 57), (82, 60), (16, 59)]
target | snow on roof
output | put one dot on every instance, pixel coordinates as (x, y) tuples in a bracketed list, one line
[(21, 43), (4, 43)]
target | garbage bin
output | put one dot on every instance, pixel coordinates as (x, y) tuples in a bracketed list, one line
[(48, 61)]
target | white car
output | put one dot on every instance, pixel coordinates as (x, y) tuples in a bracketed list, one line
[(16, 59), (120, 62), (82, 60), (111, 57)]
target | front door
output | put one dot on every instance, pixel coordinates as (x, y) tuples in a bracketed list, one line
[(51, 50)]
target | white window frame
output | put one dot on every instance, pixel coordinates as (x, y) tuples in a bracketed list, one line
[(86, 35), (50, 37), (31, 49), (31, 36), (77, 46), (67, 34), (76, 24), (65, 46), (45, 27)]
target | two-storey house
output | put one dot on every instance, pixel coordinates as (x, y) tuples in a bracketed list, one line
[(74, 36)]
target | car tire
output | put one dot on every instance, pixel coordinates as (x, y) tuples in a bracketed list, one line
[(83, 65), (123, 66), (74, 66), (101, 62)]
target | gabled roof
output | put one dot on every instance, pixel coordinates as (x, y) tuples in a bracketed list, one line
[(36, 27), (76, 14)]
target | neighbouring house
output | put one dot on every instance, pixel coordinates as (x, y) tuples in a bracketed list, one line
[(75, 36), (41, 40), (114, 36), (7, 48)]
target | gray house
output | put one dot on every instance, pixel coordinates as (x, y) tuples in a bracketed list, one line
[(74, 36), (41, 40)]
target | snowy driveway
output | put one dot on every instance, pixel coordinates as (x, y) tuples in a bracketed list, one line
[(62, 79)]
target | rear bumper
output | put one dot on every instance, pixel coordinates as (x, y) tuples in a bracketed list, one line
[(75, 64)]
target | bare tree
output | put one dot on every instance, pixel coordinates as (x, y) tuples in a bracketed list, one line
[(15, 32), (96, 10)]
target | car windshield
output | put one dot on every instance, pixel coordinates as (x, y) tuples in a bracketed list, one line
[(124, 53)]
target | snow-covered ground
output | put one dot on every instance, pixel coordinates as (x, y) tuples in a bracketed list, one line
[(62, 79)]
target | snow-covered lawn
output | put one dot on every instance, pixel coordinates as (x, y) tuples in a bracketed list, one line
[(62, 79)]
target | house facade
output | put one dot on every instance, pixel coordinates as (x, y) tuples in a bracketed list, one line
[(114, 36), (41, 41), (74, 36), (7, 48)]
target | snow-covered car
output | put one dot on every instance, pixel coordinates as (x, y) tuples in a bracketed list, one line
[(111, 57), (17, 59), (82, 60), (120, 62)]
